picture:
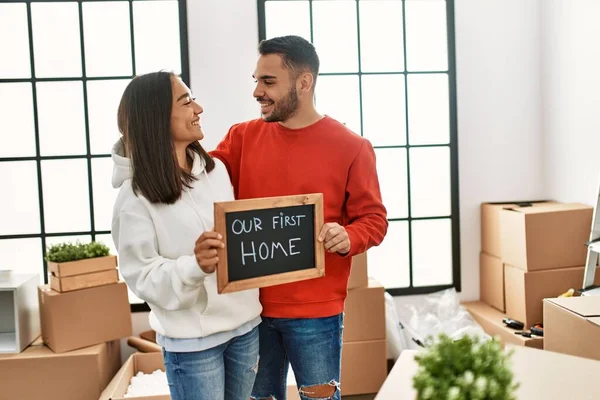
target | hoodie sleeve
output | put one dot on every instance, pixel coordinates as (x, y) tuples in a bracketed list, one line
[(171, 284)]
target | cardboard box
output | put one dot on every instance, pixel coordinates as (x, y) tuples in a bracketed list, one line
[(85, 317), (490, 320), (358, 273), (490, 224), (545, 237), (561, 377), (525, 291), (364, 313), (150, 362), (491, 281), (572, 326), (137, 362), (76, 282), (81, 267), (364, 367), (38, 373), (19, 312)]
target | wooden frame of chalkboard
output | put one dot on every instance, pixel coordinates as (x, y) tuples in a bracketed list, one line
[(276, 236)]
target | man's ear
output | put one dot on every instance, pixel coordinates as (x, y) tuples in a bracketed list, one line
[(306, 82)]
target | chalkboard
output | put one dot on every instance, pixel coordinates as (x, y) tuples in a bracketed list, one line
[(269, 241)]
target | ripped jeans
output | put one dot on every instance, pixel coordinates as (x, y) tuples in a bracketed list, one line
[(224, 372), (312, 346)]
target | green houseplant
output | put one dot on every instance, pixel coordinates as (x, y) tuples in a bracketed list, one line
[(465, 369), (65, 252), (78, 266)]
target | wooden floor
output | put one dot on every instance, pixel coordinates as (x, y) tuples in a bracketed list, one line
[(359, 397)]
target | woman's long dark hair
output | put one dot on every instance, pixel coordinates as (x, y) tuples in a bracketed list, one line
[(144, 120)]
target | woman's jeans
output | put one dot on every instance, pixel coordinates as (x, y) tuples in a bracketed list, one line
[(225, 372)]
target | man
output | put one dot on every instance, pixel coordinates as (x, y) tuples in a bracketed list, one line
[(295, 150)]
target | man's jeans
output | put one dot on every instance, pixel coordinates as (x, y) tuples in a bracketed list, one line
[(225, 372), (313, 347)]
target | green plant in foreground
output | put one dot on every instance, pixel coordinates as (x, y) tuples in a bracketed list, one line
[(466, 369), (65, 252)]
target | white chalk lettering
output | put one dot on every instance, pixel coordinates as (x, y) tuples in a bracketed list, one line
[(246, 226), (292, 247), (252, 254), (281, 221), (260, 251), (270, 252)]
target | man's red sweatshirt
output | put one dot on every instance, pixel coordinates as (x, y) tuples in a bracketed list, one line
[(265, 159)]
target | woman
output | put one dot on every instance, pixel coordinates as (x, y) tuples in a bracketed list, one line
[(162, 228)]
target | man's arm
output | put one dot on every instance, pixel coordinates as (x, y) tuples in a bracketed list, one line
[(229, 152), (367, 224)]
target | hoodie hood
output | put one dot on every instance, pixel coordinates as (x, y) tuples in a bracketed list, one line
[(123, 170)]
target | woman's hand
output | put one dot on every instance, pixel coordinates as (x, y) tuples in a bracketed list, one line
[(206, 251)]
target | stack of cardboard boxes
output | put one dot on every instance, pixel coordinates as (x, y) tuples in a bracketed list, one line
[(529, 251), (78, 352), (364, 333)]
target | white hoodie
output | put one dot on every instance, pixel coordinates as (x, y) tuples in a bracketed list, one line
[(155, 243)]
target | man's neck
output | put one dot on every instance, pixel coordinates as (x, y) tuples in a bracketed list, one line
[(302, 119)]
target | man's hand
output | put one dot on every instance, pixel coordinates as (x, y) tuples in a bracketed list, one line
[(206, 251), (335, 238)]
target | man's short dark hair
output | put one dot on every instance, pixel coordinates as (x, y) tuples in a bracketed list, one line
[(297, 53)]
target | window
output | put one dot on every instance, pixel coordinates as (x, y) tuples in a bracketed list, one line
[(388, 73), (64, 68)]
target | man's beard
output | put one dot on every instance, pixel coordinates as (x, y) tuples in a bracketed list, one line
[(285, 109)]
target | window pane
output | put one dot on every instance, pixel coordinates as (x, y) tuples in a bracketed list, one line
[(338, 97), (426, 36), (19, 203), (381, 46), (389, 262), (15, 51), (428, 109), (73, 239), (432, 252), (23, 256), (430, 181), (56, 39), (104, 194), (287, 18), (384, 109), (66, 195), (107, 39), (16, 120), (337, 48), (61, 118), (391, 170), (103, 102), (156, 33)]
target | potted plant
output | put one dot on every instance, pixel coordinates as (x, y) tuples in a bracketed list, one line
[(77, 266), (465, 369)]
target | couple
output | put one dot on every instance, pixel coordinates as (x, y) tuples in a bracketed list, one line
[(235, 345)]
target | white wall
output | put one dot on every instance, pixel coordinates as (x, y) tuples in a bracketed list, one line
[(223, 39), (571, 92), (499, 114)]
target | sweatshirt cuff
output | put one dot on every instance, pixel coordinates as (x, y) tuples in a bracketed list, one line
[(354, 245), (189, 271)]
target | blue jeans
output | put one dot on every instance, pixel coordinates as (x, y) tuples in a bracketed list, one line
[(224, 372), (312, 346)]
